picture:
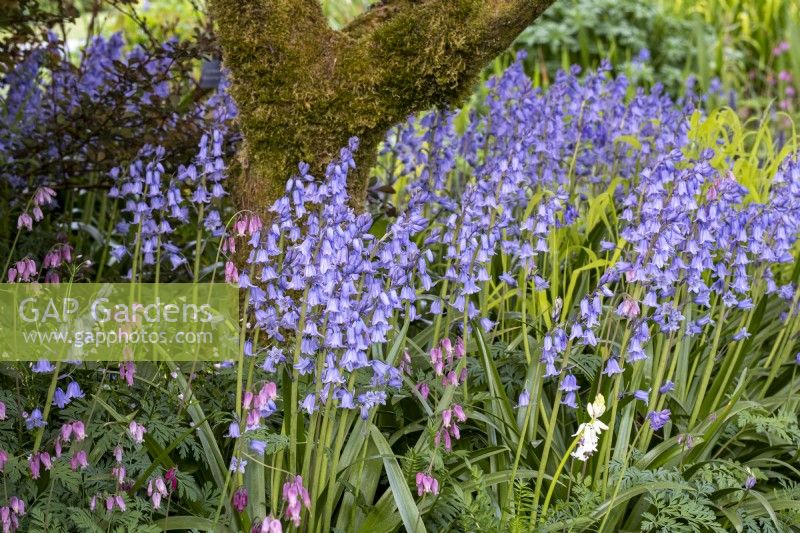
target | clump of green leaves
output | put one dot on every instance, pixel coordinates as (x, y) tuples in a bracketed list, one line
[(585, 32)]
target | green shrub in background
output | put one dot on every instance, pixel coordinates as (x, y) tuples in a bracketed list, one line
[(585, 32), (756, 49)]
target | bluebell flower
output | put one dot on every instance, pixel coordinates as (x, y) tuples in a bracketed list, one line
[(42, 366), (268, 410), (309, 404), (612, 367), (741, 334), (569, 384), (540, 283), (658, 418), (35, 419), (667, 387), (258, 446), (238, 465), (507, 279), (74, 390), (305, 365), (273, 358), (642, 395), (570, 400), (346, 399), (524, 398), (369, 400), (60, 398)]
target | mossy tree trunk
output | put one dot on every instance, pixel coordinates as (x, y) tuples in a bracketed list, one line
[(303, 89)]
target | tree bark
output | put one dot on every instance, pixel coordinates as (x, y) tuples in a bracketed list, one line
[(303, 89)]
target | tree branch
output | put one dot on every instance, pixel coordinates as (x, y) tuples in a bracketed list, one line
[(278, 53), (405, 56), (429, 52), (304, 89)]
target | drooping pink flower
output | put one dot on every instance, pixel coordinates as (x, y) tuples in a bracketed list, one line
[(254, 224), (161, 486), (127, 370), (426, 484), (23, 270), (44, 457), (154, 495), (2, 411), (424, 390), (137, 432), (269, 391), (460, 350), (296, 496), (268, 525), (9, 515), (52, 259), (405, 363), (17, 506), (253, 420), (629, 308), (171, 477), (240, 226), (66, 253), (447, 347), (79, 430), (25, 221), (35, 466), (115, 501), (443, 435), (79, 460), (239, 500), (5, 518), (247, 400), (437, 360), (231, 273), (119, 472), (447, 416), (31, 264), (43, 196), (3, 459)]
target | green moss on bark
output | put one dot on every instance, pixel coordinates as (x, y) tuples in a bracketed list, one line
[(304, 89)]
